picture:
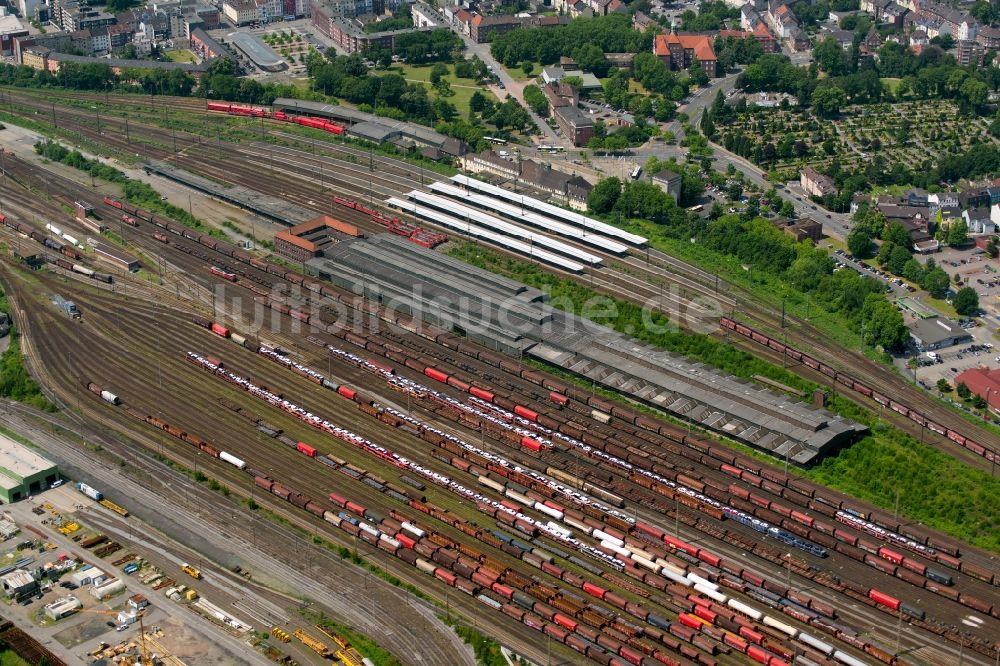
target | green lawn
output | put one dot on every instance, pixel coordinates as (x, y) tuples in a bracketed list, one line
[(181, 55), (518, 74), (463, 89), (891, 84)]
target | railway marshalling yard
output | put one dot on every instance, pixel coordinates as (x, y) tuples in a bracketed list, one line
[(658, 570)]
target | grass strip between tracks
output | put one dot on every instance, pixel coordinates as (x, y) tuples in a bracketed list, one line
[(15, 382), (486, 649), (366, 646), (934, 488)]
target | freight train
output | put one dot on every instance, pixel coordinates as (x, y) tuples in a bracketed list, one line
[(850, 382), (747, 469), (392, 541), (29, 232), (260, 112), (394, 225)]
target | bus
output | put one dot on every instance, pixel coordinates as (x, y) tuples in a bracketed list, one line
[(551, 149), (696, 209), (635, 173), (497, 141)]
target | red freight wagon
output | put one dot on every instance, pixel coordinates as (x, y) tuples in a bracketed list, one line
[(220, 330), (302, 447)]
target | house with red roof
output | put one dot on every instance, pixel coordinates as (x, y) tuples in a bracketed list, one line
[(681, 51), (983, 382)]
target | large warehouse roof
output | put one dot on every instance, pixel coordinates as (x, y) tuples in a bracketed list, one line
[(510, 316), (19, 462)]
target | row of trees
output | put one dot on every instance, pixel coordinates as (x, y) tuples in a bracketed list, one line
[(848, 78), (588, 38), (757, 243)]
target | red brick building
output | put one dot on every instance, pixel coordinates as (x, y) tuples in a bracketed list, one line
[(681, 51)]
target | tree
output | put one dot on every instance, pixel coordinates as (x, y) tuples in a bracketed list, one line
[(604, 196), (787, 209), (913, 271), (883, 323), (697, 74), (958, 232), (438, 72), (527, 67), (828, 101), (859, 242), (963, 391), (897, 234), (966, 301), (943, 386), (536, 99), (898, 258), (734, 191), (478, 102), (936, 282), (591, 58)]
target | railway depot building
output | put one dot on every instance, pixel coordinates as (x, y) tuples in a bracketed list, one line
[(309, 239), (23, 472), (511, 317)]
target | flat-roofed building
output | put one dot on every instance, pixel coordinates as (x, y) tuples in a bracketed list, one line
[(22, 471), (307, 240), (116, 258)]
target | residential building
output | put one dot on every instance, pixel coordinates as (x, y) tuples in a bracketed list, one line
[(995, 215), (240, 12), (679, 52), (749, 17), (895, 14), (982, 382), (28, 8), (989, 37), (875, 7), (966, 30), (563, 186), (10, 30), (815, 183), (970, 53), (642, 21), (82, 19), (561, 94), (669, 182), (761, 33), (484, 28), (979, 220), (937, 333), (782, 21), (347, 34), (425, 16), (974, 197), (206, 47), (575, 125)]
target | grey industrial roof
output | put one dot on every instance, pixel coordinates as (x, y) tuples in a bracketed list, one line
[(412, 131), (258, 51), (507, 315), (934, 330), (19, 462), (373, 131)]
